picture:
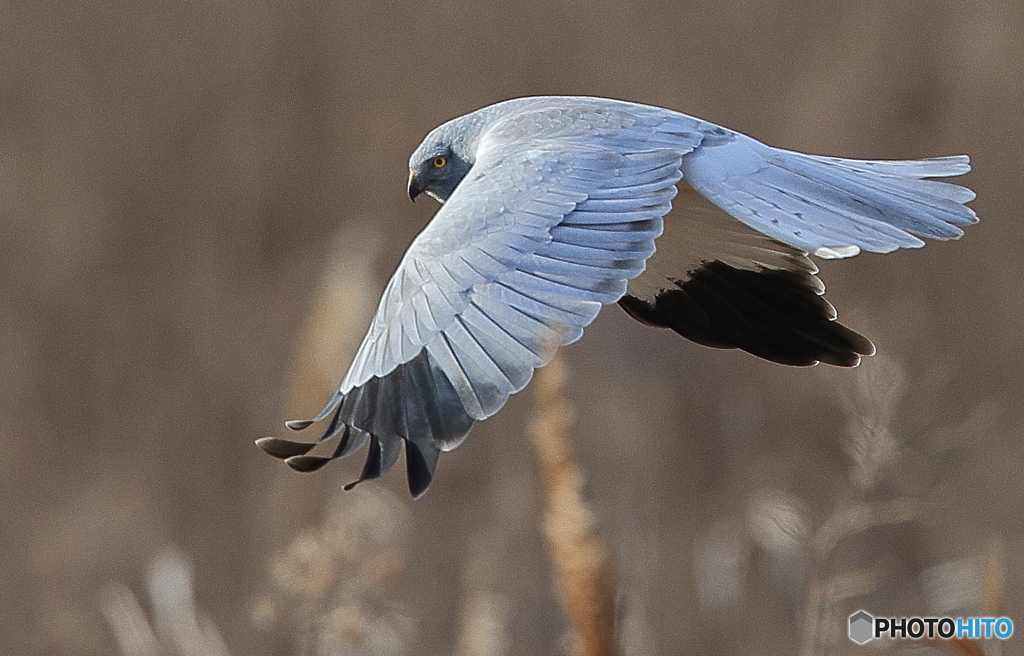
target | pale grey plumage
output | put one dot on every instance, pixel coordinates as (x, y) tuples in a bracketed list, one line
[(552, 206)]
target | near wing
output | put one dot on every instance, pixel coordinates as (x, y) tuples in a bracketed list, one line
[(516, 263)]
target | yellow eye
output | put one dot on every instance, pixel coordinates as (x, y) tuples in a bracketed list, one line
[(439, 162)]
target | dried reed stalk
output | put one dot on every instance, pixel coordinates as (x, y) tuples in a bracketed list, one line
[(585, 572)]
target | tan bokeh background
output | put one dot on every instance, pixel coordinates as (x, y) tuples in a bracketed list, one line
[(201, 201)]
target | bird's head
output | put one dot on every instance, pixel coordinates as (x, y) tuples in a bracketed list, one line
[(441, 162)]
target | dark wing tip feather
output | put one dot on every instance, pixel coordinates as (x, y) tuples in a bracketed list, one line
[(419, 467), (299, 424), (284, 449), (373, 467), (775, 314), (415, 404), (307, 463)]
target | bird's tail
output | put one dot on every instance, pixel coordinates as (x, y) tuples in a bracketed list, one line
[(830, 206)]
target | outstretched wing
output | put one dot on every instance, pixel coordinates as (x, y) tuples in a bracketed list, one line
[(539, 235)]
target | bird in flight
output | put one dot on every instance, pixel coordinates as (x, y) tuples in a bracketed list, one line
[(554, 206)]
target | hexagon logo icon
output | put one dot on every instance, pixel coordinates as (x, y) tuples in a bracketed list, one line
[(862, 627)]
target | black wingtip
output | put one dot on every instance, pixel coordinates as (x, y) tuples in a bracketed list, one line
[(373, 467), (306, 463), (418, 471), (284, 449), (775, 314), (299, 424)]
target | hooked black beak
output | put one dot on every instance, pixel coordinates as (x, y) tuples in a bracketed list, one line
[(414, 186)]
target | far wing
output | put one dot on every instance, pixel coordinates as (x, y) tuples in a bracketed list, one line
[(722, 284), (517, 262)]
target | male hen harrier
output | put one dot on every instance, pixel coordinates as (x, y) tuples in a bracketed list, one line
[(554, 206)]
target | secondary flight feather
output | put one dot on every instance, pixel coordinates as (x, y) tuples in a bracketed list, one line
[(555, 206)]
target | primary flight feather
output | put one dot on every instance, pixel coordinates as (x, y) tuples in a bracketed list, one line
[(554, 206)]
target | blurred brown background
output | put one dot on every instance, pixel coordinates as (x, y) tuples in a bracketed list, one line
[(201, 201)]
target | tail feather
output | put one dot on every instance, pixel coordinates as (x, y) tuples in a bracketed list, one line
[(931, 167), (904, 201), (830, 206)]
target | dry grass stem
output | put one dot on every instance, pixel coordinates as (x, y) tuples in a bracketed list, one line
[(177, 626), (858, 517), (127, 621), (992, 577), (585, 573), (331, 587), (873, 446)]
